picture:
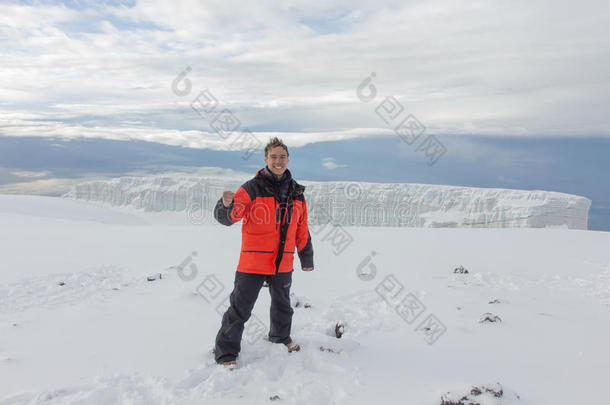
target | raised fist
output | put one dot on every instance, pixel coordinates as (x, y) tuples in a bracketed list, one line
[(227, 197)]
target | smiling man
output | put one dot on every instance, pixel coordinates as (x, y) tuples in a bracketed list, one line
[(274, 213)]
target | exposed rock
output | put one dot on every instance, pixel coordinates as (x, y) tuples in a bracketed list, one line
[(491, 394), (489, 317)]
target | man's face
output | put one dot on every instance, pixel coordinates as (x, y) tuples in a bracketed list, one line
[(277, 160)]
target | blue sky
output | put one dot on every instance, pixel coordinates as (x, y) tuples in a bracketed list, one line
[(522, 88)]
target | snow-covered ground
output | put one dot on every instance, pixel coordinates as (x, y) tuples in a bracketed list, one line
[(80, 323)]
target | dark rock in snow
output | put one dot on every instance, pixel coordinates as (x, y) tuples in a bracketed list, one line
[(274, 398), (339, 330), (489, 317), (491, 394), (157, 276), (460, 270), (496, 301)]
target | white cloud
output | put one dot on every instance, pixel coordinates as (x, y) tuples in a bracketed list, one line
[(330, 163), (30, 174), (53, 187), (31, 124)]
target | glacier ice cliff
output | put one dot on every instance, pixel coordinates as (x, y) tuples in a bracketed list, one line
[(354, 203)]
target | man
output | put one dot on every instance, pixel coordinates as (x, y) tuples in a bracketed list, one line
[(274, 215)]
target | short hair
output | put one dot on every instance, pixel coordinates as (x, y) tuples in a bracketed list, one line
[(275, 142)]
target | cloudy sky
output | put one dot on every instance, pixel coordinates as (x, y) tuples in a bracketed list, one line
[(104, 69), (517, 73)]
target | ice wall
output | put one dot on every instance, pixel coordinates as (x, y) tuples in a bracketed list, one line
[(355, 203)]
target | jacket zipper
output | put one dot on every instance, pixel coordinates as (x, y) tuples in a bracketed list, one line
[(278, 224), (282, 223), (276, 212)]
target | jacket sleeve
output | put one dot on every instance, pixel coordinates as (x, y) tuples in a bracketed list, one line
[(304, 246), (235, 211)]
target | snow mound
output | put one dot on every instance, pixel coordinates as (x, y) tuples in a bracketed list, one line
[(266, 372)]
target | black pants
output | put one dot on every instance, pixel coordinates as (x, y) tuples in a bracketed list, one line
[(242, 299)]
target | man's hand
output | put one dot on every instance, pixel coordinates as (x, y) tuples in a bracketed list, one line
[(227, 197), (308, 269)]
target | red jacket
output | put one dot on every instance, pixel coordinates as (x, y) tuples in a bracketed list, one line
[(268, 241)]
